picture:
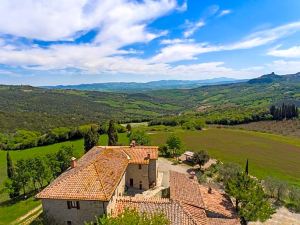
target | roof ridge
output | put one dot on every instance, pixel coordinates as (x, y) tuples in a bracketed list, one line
[(102, 187), (144, 199)]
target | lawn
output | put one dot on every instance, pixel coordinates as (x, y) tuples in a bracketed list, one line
[(269, 155), (8, 211)]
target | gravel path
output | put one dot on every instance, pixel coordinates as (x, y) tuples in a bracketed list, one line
[(281, 217)]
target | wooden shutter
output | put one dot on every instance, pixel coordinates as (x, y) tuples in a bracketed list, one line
[(69, 204)]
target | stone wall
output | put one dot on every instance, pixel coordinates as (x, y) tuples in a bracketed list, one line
[(58, 211), (152, 171), (139, 174)]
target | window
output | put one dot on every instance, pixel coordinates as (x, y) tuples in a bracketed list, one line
[(141, 185), (69, 222), (131, 182), (140, 166), (73, 204)]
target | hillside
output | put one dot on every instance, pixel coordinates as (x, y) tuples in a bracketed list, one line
[(31, 108), (26, 107), (148, 86)]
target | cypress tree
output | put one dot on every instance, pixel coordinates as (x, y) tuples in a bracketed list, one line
[(10, 166), (91, 139), (247, 168), (112, 134)]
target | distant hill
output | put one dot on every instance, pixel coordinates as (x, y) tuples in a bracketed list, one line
[(39, 109), (269, 78), (153, 85)]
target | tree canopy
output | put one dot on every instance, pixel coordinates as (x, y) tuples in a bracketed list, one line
[(251, 202), (133, 217), (200, 158)]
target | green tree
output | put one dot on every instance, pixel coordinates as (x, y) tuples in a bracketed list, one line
[(251, 201), (39, 171), (228, 171), (200, 158), (53, 166), (91, 139), (175, 144), (112, 134), (133, 217), (140, 137), (64, 156), (10, 167), (22, 176), (164, 150), (128, 127)]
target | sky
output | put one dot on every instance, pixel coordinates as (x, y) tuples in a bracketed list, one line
[(50, 42)]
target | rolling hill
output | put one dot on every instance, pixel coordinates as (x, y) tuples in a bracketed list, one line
[(32, 108)]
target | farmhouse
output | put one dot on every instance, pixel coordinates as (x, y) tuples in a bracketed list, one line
[(91, 185), (96, 184)]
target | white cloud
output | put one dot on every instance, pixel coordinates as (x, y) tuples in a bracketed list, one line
[(52, 20), (292, 52), (181, 51), (192, 27), (284, 67), (176, 41), (224, 12)]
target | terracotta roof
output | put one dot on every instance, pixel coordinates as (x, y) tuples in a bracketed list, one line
[(206, 208), (95, 177), (173, 211), (183, 189), (137, 154)]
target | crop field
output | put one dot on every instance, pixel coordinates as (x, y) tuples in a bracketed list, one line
[(268, 154), (285, 127)]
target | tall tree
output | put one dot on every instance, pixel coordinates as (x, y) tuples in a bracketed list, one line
[(112, 134), (251, 202), (10, 166), (91, 139), (174, 144), (247, 168)]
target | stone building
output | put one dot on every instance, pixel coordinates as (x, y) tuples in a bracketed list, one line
[(92, 184)]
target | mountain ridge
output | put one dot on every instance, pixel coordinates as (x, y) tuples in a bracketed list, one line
[(147, 86)]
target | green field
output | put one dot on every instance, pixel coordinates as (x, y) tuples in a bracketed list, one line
[(269, 155), (10, 211)]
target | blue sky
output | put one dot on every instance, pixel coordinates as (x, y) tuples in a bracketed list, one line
[(49, 42)]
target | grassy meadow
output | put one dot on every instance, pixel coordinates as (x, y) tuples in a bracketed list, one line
[(268, 154)]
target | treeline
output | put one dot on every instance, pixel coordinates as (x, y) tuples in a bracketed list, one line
[(23, 139), (27, 175), (186, 122), (284, 111), (235, 117)]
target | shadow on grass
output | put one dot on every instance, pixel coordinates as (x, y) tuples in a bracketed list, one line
[(20, 198)]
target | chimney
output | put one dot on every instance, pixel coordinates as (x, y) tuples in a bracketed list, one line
[(132, 144), (192, 175), (209, 190), (73, 162)]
